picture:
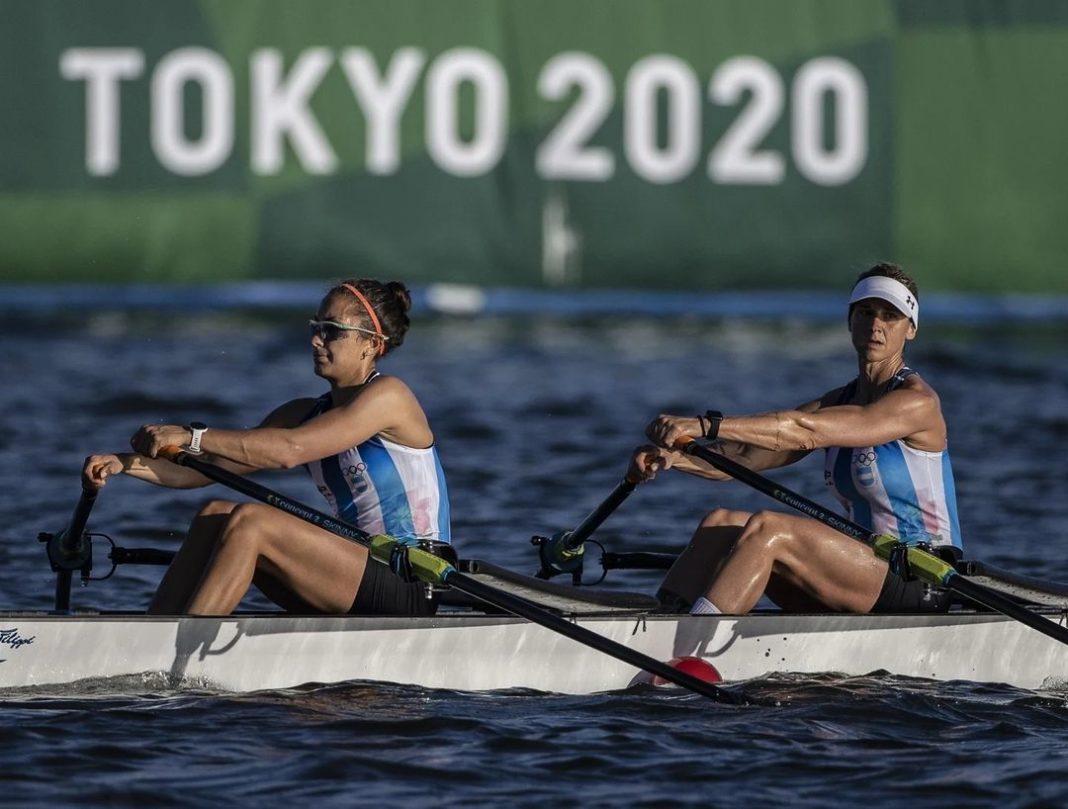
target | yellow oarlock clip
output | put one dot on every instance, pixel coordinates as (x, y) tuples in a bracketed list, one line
[(923, 565), (426, 566)]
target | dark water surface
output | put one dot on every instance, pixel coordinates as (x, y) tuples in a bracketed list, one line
[(535, 419)]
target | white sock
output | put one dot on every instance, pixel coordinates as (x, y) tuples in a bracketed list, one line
[(703, 606)]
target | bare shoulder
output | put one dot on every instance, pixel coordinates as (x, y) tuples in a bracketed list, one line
[(917, 386), (920, 404), (390, 384), (402, 418), (385, 389)]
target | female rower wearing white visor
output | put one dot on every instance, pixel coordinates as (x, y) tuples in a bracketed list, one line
[(886, 461)]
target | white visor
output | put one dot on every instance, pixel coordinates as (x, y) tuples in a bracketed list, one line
[(891, 291)]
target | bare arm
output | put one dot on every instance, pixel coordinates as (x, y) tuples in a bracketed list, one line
[(911, 413), (749, 455), (157, 471), (386, 406)]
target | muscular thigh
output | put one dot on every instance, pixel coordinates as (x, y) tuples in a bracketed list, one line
[(827, 567), (319, 567)]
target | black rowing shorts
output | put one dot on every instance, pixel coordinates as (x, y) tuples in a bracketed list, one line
[(382, 592), (899, 595)]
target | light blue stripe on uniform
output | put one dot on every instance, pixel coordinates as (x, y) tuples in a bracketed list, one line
[(396, 516), (444, 524), (951, 499), (894, 472), (843, 480)]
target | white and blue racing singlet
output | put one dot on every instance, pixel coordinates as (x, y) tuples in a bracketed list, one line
[(895, 489), (385, 488)]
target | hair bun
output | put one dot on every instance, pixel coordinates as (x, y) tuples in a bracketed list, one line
[(402, 294)]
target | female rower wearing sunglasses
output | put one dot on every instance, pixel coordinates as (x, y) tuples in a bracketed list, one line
[(369, 450)]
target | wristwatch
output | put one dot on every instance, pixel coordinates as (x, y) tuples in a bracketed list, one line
[(198, 428), (714, 417)]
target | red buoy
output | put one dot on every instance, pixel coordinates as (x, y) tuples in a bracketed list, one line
[(695, 667)]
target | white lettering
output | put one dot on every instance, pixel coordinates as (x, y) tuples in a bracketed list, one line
[(645, 81), (844, 159), (565, 154), (383, 100), (489, 132), (279, 110), (172, 148), (102, 69), (737, 157)]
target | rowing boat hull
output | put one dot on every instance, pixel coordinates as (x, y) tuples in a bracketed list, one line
[(479, 653)]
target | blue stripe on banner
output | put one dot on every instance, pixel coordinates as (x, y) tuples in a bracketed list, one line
[(951, 499), (444, 517), (901, 492), (396, 510), (843, 481), (337, 484)]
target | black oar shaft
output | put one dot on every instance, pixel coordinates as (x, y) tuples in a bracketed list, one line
[(462, 583), (593, 520), (774, 490), (999, 603), (263, 494)]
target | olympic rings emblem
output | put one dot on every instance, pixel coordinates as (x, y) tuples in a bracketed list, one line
[(864, 458)]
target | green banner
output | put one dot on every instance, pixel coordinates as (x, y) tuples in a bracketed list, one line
[(667, 144)]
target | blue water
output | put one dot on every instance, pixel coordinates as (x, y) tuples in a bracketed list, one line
[(535, 418)]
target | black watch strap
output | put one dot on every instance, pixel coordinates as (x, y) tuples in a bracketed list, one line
[(713, 417)]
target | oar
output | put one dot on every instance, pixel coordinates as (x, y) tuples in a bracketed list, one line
[(926, 566), (435, 570), (563, 552)]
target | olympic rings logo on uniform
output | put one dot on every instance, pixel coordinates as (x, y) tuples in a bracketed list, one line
[(864, 458), (357, 479)]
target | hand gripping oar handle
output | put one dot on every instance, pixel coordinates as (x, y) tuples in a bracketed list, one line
[(926, 566), (434, 570), (564, 552)]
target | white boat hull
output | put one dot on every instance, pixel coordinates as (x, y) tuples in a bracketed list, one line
[(479, 653)]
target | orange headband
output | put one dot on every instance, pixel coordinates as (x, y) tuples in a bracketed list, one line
[(370, 311)]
